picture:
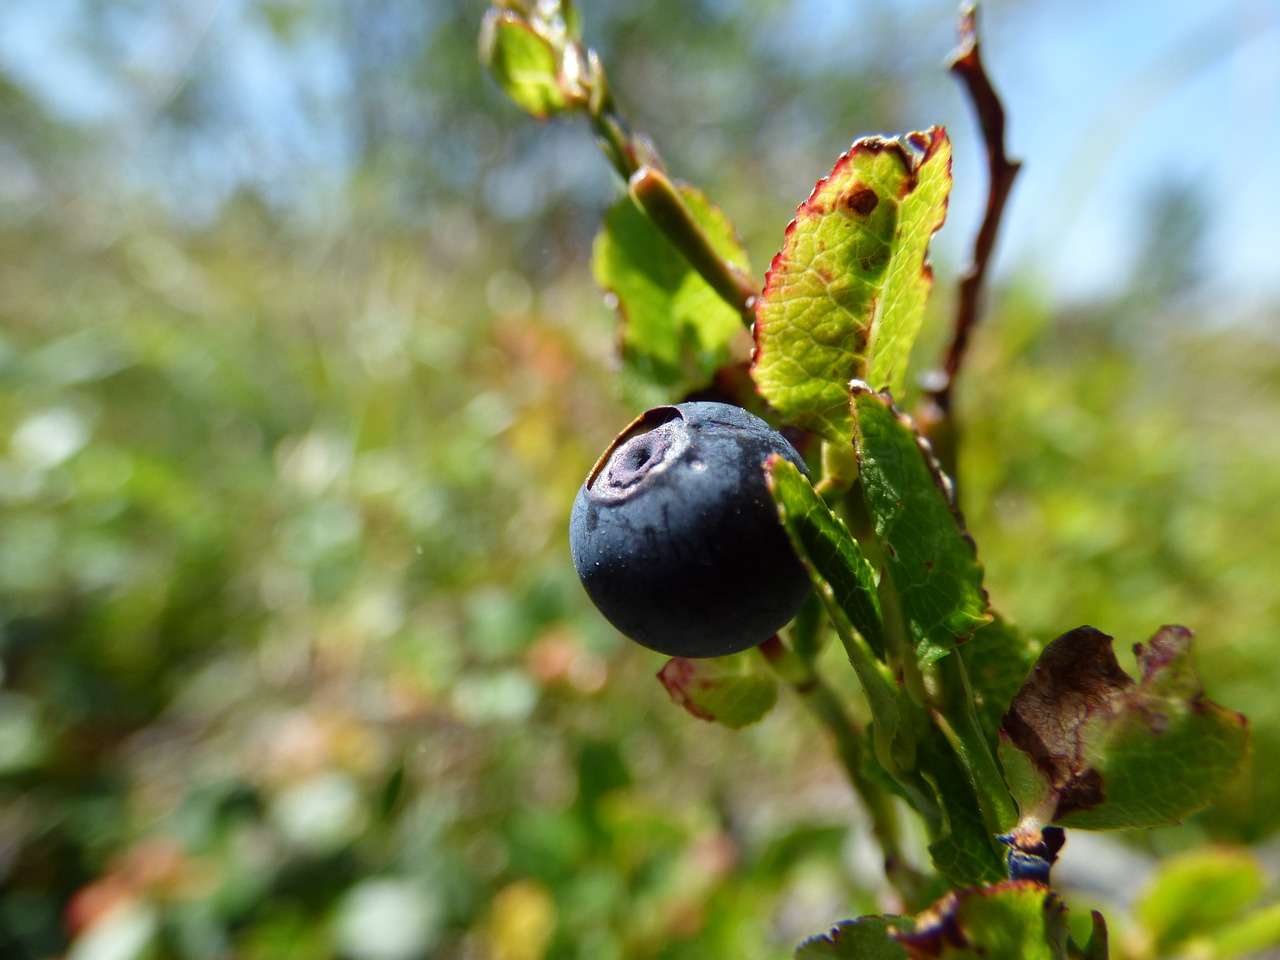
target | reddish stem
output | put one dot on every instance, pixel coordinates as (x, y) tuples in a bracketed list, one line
[(966, 64)]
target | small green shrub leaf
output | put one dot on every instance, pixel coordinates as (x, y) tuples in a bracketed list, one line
[(1004, 921), (1252, 934), (1084, 745), (727, 690), (930, 559), (845, 296), (842, 578), (825, 545), (867, 938), (523, 62), (1196, 895), (998, 658), (962, 848), (676, 331)]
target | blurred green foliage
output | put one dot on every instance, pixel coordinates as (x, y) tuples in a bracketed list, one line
[(294, 660)]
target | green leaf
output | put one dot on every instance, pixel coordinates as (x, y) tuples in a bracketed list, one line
[(929, 559), (844, 298), (962, 849), (825, 545), (1007, 921), (867, 938), (1197, 895), (998, 658), (1098, 946), (842, 578), (676, 331), (523, 61), (1250, 934), (725, 690), (1084, 745)]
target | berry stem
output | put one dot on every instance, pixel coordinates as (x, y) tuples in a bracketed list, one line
[(898, 650), (840, 471), (894, 745)]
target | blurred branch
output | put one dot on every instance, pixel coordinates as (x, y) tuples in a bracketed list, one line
[(825, 705), (966, 64)]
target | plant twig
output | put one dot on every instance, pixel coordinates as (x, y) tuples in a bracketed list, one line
[(637, 161), (547, 69), (966, 64)]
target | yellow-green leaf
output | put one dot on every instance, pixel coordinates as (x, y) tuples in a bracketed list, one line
[(1197, 894), (732, 691), (844, 298)]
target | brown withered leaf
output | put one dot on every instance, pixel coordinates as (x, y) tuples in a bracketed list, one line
[(1077, 675), (1084, 744)]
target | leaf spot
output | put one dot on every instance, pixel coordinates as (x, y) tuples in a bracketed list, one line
[(860, 200)]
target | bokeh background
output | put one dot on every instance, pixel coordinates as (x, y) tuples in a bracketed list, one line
[(301, 365)]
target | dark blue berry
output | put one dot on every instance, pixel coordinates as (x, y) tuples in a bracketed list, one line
[(676, 539)]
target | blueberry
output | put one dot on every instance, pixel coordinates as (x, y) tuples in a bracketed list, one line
[(676, 539)]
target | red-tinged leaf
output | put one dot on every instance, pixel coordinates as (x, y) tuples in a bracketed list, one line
[(867, 938), (731, 691), (845, 296), (1002, 921)]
